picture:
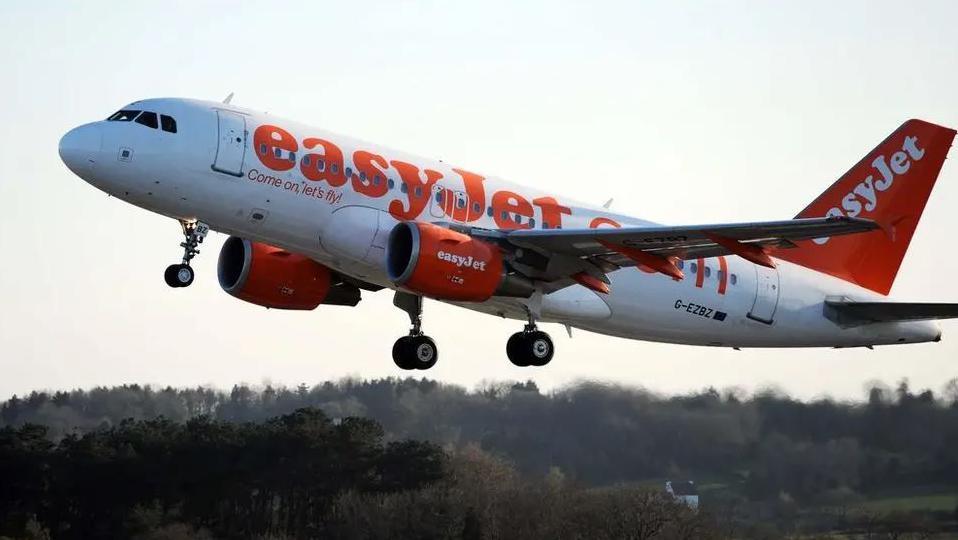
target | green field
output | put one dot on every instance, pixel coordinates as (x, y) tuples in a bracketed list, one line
[(946, 502)]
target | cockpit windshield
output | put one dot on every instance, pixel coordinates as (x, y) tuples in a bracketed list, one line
[(147, 118), (123, 116)]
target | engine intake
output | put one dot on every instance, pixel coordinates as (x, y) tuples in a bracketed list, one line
[(275, 278), (449, 265)]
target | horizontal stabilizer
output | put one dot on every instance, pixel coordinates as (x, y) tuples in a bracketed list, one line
[(847, 313)]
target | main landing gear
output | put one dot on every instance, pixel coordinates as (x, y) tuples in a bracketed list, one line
[(181, 275), (531, 347), (417, 350)]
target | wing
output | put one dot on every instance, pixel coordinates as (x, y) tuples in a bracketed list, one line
[(561, 253)]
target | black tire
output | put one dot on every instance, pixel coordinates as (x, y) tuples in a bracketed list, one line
[(170, 276), (530, 349), (516, 349), (179, 275), (401, 353), (423, 353), (540, 348)]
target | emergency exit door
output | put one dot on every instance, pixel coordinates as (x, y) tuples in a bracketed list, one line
[(766, 294)]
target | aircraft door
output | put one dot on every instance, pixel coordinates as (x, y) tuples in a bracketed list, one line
[(231, 143), (766, 294)]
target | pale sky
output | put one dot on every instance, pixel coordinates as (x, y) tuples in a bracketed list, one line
[(696, 112)]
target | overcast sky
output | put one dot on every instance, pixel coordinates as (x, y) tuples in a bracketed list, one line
[(683, 112)]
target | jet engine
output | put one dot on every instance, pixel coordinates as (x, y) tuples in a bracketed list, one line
[(449, 265), (275, 278)]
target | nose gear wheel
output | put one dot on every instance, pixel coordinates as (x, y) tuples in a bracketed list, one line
[(182, 275)]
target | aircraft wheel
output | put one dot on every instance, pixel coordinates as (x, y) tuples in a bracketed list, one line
[(179, 275), (541, 348), (424, 352), (415, 352), (531, 348)]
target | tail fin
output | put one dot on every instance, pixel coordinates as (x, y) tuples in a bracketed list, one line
[(891, 186)]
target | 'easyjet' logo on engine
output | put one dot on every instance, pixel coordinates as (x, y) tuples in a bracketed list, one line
[(865, 196), (461, 261)]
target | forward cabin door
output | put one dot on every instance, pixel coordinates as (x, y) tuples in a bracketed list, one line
[(231, 143), (766, 294)]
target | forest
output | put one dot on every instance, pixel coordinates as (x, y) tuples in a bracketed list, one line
[(417, 458)]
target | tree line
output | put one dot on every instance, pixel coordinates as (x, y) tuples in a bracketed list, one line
[(763, 455), (301, 475)]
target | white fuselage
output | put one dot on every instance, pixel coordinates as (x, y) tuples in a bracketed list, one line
[(213, 170)]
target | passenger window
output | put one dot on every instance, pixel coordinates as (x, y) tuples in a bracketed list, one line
[(476, 207), (489, 212), (403, 187), (734, 279), (292, 156), (438, 195), (418, 191), (708, 271), (532, 223), (545, 224), (680, 264), (349, 172), (168, 123), (262, 149), (362, 175), (148, 119), (334, 168), (391, 183), (377, 180), (306, 160), (694, 268), (320, 164), (461, 203), (123, 116)]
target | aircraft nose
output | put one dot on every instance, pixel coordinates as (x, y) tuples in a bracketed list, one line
[(79, 149)]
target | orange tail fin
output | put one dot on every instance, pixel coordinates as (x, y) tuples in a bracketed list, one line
[(891, 186)]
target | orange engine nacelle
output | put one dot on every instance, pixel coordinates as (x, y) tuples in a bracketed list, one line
[(272, 277), (448, 265)]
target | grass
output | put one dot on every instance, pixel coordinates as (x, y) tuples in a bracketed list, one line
[(934, 502)]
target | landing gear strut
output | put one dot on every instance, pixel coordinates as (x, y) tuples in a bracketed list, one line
[(531, 347), (181, 275), (417, 350)]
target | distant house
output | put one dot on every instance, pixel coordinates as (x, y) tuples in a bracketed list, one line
[(685, 492)]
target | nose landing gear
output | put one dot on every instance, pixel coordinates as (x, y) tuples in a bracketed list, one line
[(417, 350), (182, 275)]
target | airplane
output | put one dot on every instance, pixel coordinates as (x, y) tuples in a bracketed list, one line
[(316, 218)]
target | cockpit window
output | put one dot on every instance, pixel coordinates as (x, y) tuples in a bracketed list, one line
[(168, 123), (123, 116), (148, 119)]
